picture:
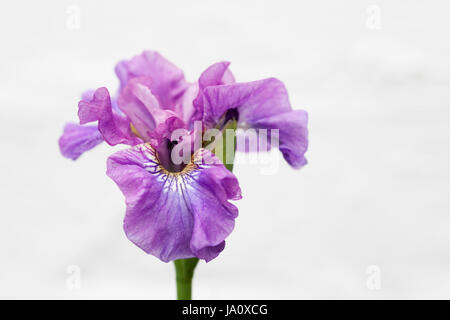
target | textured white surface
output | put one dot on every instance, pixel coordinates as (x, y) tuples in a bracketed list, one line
[(375, 191)]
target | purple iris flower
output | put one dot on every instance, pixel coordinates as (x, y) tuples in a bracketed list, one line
[(178, 210)]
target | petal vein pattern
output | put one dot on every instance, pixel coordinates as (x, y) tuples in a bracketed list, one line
[(176, 215)]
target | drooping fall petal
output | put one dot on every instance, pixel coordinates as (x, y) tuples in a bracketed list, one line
[(77, 139), (175, 215)]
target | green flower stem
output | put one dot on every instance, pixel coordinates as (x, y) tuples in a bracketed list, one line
[(184, 269)]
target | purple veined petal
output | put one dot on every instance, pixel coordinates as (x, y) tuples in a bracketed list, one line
[(87, 94), (253, 100), (168, 83), (114, 128), (135, 109), (185, 107), (175, 215), (215, 74), (262, 104), (121, 70), (213, 222), (77, 139), (143, 109), (293, 134)]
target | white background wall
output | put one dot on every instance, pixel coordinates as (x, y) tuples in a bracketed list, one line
[(375, 191)]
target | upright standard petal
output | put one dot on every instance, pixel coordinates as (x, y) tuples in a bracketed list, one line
[(185, 107), (168, 83), (262, 104), (143, 109), (175, 215), (114, 128), (215, 74), (78, 139)]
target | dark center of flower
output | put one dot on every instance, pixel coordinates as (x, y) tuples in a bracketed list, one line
[(166, 155), (171, 144), (232, 114), (166, 166)]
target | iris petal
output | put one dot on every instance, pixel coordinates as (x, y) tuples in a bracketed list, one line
[(114, 128), (262, 104), (168, 82), (78, 139), (143, 109), (175, 215), (214, 75)]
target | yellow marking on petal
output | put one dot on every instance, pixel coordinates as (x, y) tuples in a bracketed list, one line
[(192, 165), (134, 130), (186, 170)]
